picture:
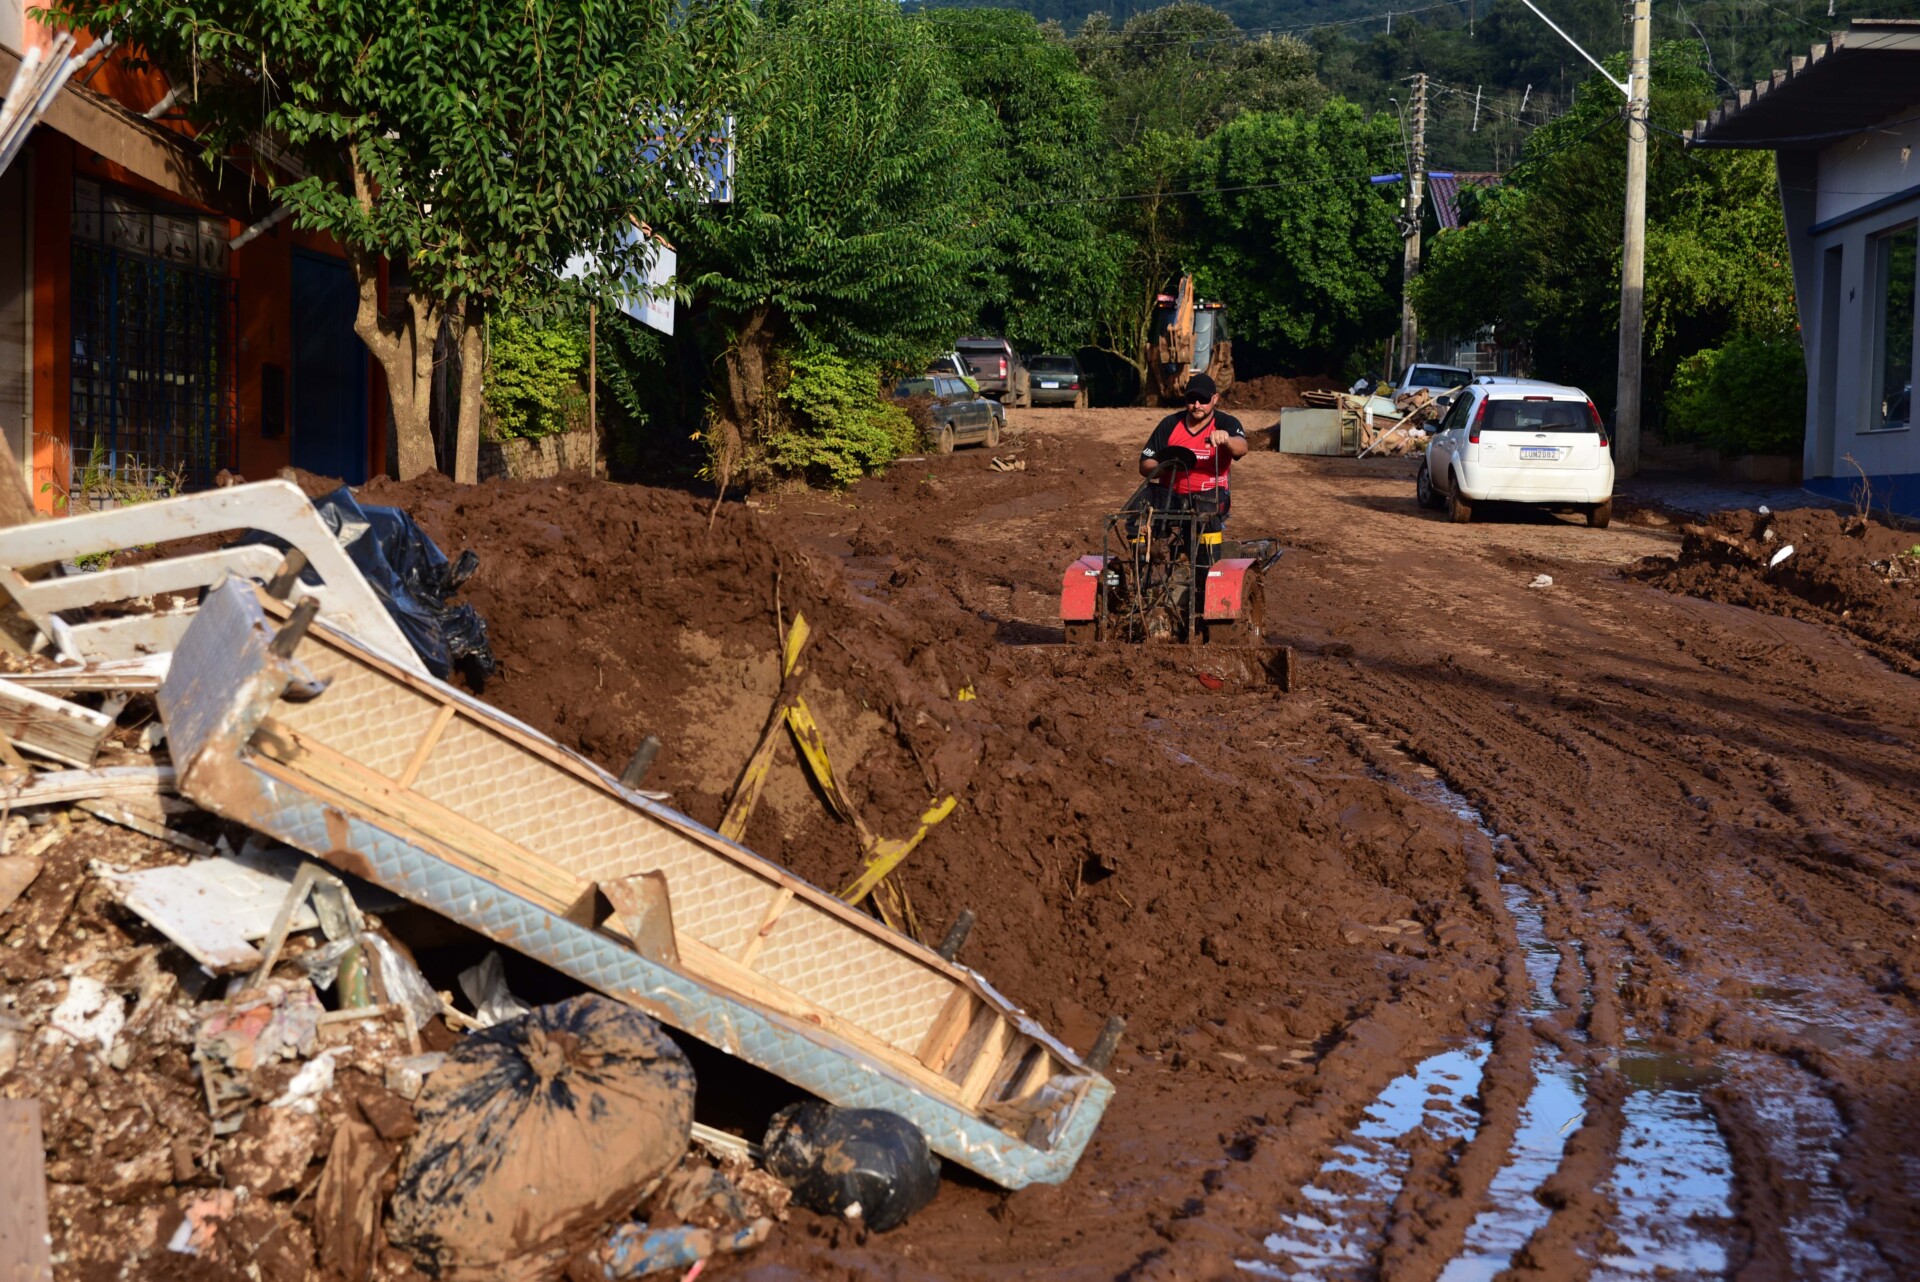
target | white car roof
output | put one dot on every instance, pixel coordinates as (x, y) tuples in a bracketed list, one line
[(1514, 388)]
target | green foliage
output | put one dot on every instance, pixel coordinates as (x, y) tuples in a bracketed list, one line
[(1746, 397), (1717, 256), (482, 142), (1541, 262), (837, 427), (856, 219), (1048, 251), (1301, 266), (533, 376)]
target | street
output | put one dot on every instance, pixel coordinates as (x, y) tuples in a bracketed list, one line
[(1644, 861)]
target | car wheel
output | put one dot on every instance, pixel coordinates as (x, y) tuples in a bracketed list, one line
[(1424, 492), (1599, 514), (1459, 507), (945, 442), (993, 432)]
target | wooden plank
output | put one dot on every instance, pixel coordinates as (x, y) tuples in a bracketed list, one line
[(24, 1250), (54, 787), (948, 1027), (285, 755), (750, 951), (711, 966), (50, 727), (753, 776), (418, 762), (129, 676), (986, 1062)]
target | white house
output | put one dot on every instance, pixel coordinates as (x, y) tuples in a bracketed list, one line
[(1844, 125)]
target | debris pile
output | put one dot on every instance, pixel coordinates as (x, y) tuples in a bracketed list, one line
[(1377, 425), (284, 1046), (1806, 563)]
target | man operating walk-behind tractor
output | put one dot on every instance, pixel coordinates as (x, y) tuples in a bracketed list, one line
[(1166, 570)]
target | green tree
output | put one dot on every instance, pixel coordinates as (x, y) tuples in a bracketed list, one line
[(481, 143), (1295, 240), (1541, 258), (1051, 255), (855, 221)]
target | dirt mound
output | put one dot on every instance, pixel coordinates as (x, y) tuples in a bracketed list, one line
[(617, 611), (1849, 571), (1275, 392)]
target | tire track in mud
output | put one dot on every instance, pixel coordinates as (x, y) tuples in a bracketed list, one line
[(1827, 875), (1626, 1193)]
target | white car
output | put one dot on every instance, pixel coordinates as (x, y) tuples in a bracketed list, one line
[(1519, 441)]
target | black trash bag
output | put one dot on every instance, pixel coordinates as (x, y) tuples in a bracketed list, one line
[(837, 1159), (413, 579), (536, 1133)]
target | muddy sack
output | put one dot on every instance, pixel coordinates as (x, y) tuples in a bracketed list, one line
[(537, 1132), (862, 1163)]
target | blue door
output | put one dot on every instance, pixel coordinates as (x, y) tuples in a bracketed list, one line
[(329, 390)]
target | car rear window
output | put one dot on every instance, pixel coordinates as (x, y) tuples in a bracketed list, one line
[(1052, 364), (1537, 416), (1438, 376), (915, 387)]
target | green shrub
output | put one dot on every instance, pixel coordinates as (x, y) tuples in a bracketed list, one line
[(837, 428), (533, 377), (1746, 397)]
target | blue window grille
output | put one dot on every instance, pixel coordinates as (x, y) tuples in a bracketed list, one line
[(154, 397)]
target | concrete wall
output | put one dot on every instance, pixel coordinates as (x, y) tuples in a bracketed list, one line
[(1835, 279)]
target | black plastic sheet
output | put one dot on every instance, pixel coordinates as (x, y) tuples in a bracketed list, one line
[(413, 579)]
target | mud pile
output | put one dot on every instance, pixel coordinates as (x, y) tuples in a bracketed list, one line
[(620, 610), (1849, 571), (1276, 392)]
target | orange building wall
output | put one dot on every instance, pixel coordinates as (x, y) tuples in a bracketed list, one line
[(262, 272)]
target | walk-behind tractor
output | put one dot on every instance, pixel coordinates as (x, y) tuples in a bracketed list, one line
[(1166, 572)]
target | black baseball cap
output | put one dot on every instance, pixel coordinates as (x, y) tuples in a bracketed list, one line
[(1200, 388)]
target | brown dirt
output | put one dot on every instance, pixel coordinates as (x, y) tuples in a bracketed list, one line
[(1276, 391), (1711, 804), (1849, 571)]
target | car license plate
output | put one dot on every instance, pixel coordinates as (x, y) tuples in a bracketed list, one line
[(1540, 451), (1044, 383)]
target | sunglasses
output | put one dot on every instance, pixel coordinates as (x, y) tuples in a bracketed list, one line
[(1200, 400)]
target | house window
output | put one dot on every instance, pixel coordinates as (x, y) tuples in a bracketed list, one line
[(1894, 288), (153, 395)]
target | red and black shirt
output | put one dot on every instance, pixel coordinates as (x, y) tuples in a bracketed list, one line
[(1211, 465)]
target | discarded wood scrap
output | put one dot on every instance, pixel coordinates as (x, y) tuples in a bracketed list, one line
[(420, 788), (50, 727), (882, 855)]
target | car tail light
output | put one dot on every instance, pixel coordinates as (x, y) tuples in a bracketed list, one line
[(1479, 416), (1003, 367), (1593, 416)]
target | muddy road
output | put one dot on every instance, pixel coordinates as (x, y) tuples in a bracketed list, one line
[(1543, 931)]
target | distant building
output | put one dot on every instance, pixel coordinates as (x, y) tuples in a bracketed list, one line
[(1844, 125), (156, 315)]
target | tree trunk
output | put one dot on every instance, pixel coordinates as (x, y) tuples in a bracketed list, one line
[(743, 391), (466, 451), (404, 348)]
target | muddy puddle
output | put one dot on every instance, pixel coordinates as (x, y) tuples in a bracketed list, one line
[(1672, 1182)]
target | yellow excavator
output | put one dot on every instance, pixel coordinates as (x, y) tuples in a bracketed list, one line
[(1188, 336)]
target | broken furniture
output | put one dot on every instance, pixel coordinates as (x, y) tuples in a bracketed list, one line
[(277, 508), (313, 738)]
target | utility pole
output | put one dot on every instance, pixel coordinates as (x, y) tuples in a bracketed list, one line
[(1633, 248), (1410, 229), (1633, 254)]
